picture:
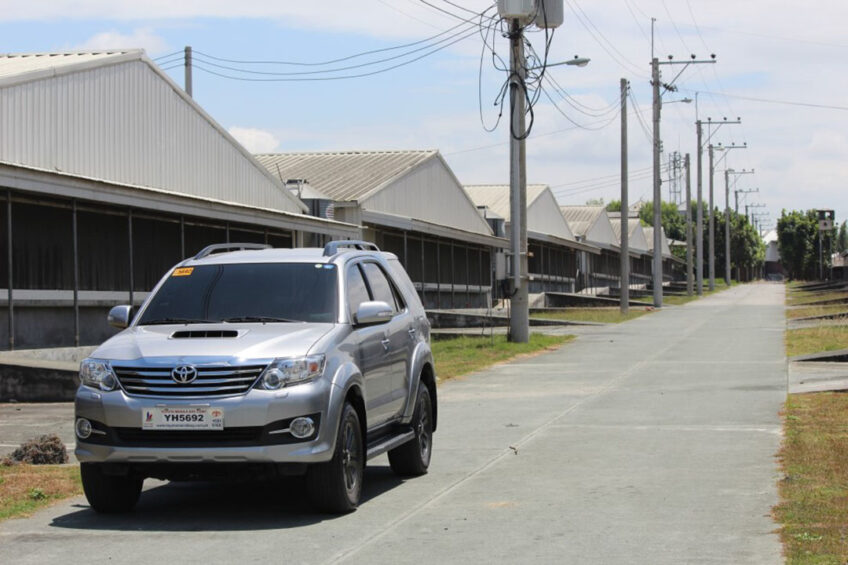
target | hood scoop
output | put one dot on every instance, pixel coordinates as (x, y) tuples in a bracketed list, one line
[(196, 334)]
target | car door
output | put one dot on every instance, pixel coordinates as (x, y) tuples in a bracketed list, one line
[(371, 352), (397, 331)]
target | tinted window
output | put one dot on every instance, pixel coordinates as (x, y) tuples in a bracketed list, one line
[(357, 292), (381, 289), (294, 291)]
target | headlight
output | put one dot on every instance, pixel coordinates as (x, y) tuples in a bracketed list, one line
[(96, 373), (291, 371)]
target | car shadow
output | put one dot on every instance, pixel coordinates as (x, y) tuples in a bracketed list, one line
[(222, 506)]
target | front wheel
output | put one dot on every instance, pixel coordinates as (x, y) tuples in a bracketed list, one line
[(109, 494), (336, 486), (413, 458)]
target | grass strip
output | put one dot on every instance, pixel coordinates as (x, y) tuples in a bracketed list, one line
[(599, 314), (26, 488), (805, 341), (813, 511), (808, 311), (457, 356)]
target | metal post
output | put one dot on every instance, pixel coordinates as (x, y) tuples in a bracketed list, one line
[(182, 236), (689, 275), (699, 212), (438, 275), (657, 274), (727, 274), (188, 70), (711, 240), (130, 238), (519, 324), (625, 232), (9, 249), (75, 240), (453, 275)]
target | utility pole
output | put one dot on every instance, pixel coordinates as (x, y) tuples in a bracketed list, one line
[(711, 227), (699, 226), (625, 219), (739, 191), (689, 281), (727, 173), (188, 70), (710, 133), (657, 256), (519, 323)]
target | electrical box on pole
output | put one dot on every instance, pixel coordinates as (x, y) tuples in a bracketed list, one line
[(522, 10), (549, 14)]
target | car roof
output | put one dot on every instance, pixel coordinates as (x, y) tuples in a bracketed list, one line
[(281, 255)]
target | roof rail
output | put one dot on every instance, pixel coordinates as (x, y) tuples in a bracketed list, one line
[(224, 247), (333, 247)]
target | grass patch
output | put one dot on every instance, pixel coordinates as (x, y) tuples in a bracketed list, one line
[(602, 315), (813, 511), (813, 340), (457, 356), (799, 298), (26, 488), (807, 311)]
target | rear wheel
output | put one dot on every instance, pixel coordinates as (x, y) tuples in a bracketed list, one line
[(413, 457), (109, 494), (336, 486)]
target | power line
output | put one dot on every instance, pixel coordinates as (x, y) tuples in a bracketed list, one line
[(774, 101), (277, 78)]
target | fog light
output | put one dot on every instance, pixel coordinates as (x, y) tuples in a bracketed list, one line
[(302, 427), (83, 428)]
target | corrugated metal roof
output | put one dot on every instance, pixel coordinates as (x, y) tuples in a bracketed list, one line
[(665, 250), (115, 116), (581, 218), (496, 196), (19, 64), (345, 176)]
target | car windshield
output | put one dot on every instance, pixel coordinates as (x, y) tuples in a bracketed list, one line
[(246, 293)]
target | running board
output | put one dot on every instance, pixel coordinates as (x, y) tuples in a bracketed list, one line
[(389, 443)]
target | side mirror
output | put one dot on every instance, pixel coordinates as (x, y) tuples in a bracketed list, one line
[(374, 312), (119, 316)]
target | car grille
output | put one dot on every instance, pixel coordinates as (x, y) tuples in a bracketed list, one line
[(223, 380), (195, 438)]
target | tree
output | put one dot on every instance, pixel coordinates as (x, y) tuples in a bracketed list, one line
[(798, 243), (673, 221), (842, 239), (747, 250)]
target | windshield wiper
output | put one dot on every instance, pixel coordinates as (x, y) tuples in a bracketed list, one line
[(258, 319), (163, 321)]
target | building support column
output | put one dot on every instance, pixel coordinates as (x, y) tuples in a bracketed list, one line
[(11, 298), (130, 238), (75, 237)]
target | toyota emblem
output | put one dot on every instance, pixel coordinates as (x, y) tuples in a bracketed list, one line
[(184, 374)]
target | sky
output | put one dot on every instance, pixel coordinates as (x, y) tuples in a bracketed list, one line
[(780, 70)]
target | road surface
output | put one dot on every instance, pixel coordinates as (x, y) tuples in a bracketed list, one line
[(647, 442)]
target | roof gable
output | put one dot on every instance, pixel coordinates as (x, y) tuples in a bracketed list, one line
[(116, 117), (591, 223)]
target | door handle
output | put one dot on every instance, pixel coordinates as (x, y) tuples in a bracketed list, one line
[(385, 343), (411, 332)]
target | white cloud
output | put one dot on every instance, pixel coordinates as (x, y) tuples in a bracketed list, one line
[(144, 37), (255, 140)]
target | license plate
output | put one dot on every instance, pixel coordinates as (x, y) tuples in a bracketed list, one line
[(182, 418)]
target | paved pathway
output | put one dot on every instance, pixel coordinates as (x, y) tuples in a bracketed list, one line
[(648, 442)]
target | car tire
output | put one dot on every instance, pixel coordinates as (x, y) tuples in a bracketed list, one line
[(336, 486), (109, 494), (413, 458)]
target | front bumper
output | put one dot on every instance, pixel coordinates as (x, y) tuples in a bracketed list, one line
[(250, 421)]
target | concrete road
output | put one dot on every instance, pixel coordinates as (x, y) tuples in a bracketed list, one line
[(649, 442)]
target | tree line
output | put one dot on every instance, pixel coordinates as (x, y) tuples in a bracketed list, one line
[(803, 253)]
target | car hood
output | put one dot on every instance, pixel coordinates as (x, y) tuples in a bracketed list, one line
[(253, 341)]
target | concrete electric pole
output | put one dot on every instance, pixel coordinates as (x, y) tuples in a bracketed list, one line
[(689, 274), (739, 191), (519, 324), (188, 70), (727, 173), (625, 215)]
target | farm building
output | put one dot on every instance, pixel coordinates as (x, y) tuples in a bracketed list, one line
[(409, 203), (553, 249), (110, 174)]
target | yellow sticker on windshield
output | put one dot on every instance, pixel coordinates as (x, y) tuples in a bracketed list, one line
[(182, 272)]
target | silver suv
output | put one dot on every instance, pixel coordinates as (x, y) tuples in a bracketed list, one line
[(264, 362)]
